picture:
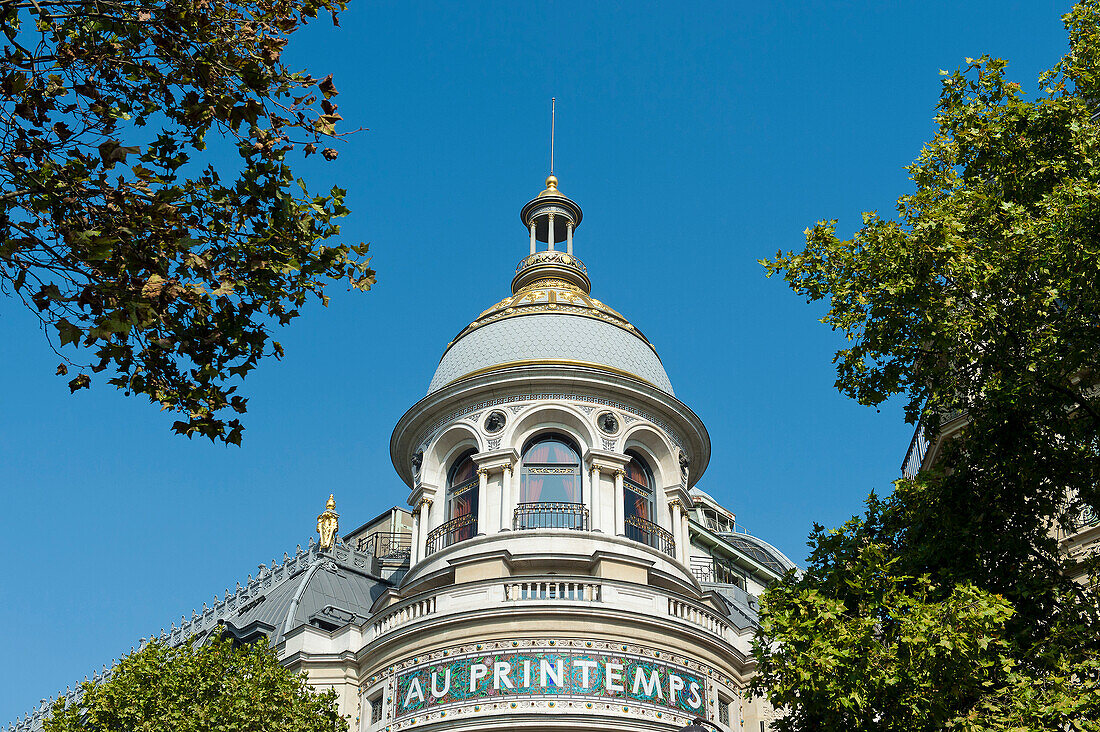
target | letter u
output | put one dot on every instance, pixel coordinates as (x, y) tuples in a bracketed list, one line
[(446, 683)]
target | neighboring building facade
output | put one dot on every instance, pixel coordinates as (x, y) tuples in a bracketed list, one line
[(558, 567), (1078, 540)]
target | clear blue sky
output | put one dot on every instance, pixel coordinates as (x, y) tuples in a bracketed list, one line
[(696, 140)]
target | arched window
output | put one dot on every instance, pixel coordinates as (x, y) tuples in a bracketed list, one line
[(638, 488), (639, 505), (550, 488), (462, 495)]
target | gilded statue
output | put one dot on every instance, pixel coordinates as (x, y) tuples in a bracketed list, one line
[(328, 523)]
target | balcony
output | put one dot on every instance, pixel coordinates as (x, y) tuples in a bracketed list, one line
[(452, 532), (716, 570), (389, 545), (921, 443), (550, 516), (650, 534)]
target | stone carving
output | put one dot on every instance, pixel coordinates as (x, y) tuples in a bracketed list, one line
[(608, 422), (495, 421), (551, 396), (545, 256)]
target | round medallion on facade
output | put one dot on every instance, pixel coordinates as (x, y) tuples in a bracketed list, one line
[(495, 421), (608, 422)]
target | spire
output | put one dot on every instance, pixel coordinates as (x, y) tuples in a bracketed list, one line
[(551, 217), (553, 106)]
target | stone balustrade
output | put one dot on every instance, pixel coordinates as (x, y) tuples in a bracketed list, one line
[(553, 590)]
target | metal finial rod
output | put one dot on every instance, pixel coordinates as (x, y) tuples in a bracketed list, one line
[(553, 104)]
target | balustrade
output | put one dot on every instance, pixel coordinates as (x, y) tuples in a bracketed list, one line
[(404, 614), (697, 616), (552, 590)]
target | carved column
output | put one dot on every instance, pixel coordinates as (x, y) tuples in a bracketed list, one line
[(594, 500), (569, 238), (423, 512), (532, 237), (685, 531), (620, 503), (550, 228), (677, 533), (482, 500), (414, 550), (506, 499)]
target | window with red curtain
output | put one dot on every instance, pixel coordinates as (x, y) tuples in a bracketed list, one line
[(462, 490), (551, 472), (637, 495)]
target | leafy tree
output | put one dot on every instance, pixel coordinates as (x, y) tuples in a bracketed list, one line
[(164, 688), (983, 297), (149, 256)]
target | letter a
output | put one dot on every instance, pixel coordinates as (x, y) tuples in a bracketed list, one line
[(414, 688)]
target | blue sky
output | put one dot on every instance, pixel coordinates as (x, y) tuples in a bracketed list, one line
[(696, 139)]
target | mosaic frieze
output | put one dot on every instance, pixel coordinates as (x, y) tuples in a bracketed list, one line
[(492, 694), (565, 673)]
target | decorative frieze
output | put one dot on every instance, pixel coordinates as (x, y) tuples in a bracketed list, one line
[(517, 402), (533, 675)]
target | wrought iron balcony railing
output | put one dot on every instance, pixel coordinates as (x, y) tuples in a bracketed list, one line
[(553, 515), (717, 570), (451, 532), (649, 533), (920, 444), (386, 544)]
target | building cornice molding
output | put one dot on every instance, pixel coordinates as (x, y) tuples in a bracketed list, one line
[(495, 461), (605, 461)]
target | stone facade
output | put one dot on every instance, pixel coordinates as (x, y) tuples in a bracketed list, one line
[(556, 568)]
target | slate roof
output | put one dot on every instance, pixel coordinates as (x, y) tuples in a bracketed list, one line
[(759, 550), (325, 588), (547, 337), (743, 606)]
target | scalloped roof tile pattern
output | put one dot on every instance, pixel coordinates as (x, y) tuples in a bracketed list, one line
[(550, 337)]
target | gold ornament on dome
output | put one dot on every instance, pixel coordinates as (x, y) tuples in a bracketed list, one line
[(556, 296)]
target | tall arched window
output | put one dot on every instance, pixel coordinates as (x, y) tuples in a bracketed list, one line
[(550, 486), (462, 495), (639, 505)]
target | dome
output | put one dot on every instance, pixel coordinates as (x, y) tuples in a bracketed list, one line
[(551, 319)]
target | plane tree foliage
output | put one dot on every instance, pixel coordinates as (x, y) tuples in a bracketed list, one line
[(950, 604), (218, 686), (147, 256)]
